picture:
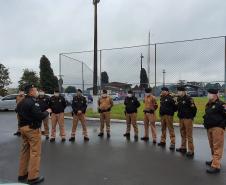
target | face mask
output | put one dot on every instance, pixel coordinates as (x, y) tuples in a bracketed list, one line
[(36, 94), (41, 93), (210, 96), (147, 94), (56, 94), (21, 93), (104, 95), (129, 95), (180, 93), (78, 94)]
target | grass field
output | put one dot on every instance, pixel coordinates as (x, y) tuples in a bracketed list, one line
[(118, 111)]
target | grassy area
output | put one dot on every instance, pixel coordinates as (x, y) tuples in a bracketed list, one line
[(118, 111)]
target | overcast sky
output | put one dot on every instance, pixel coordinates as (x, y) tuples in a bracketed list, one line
[(31, 28)]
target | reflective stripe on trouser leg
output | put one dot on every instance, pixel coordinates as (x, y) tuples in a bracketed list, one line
[(189, 134)]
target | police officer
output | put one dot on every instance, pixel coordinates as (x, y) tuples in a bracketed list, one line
[(167, 109), (57, 104), (43, 102), (79, 106), (186, 112), (105, 104), (150, 106), (19, 98), (30, 120), (215, 122), (131, 105)]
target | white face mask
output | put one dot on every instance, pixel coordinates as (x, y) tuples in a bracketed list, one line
[(41, 93), (210, 96), (129, 95), (104, 95), (180, 93), (147, 94), (57, 94), (21, 93), (37, 94)]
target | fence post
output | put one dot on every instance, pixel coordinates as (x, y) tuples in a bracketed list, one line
[(60, 81), (155, 69), (224, 67), (100, 68), (83, 88)]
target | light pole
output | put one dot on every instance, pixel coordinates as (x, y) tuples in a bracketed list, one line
[(95, 89), (164, 77)]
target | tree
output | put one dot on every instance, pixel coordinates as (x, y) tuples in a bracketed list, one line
[(4, 79), (104, 78), (70, 89), (143, 79), (48, 81), (29, 77)]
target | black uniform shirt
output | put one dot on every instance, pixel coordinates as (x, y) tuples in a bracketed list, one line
[(57, 104), (43, 102), (79, 103), (167, 106), (186, 107), (215, 114), (30, 113), (131, 104)]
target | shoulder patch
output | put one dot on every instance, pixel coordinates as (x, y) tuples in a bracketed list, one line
[(36, 104)]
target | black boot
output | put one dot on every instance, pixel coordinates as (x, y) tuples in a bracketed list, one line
[(126, 134), (17, 134), (63, 140), (72, 139), (108, 135), (47, 137), (136, 138), (36, 181), (190, 154), (52, 140), (172, 147), (145, 138), (22, 179), (208, 163), (212, 170), (86, 138), (162, 144), (101, 134), (181, 150)]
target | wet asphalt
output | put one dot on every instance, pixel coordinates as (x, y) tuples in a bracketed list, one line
[(109, 162)]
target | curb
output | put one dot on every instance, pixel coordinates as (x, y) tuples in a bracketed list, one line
[(138, 122)]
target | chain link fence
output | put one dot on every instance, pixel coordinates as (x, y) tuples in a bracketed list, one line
[(199, 64)]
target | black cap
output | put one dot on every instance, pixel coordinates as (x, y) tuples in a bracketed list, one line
[(27, 88), (79, 90), (130, 92), (104, 91), (148, 90), (181, 88), (213, 91), (165, 89)]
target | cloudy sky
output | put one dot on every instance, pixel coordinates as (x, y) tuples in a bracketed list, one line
[(31, 28)]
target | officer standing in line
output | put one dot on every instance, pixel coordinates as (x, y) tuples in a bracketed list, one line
[(30, 121), (105, 104), (150, 106), (186, 112), (131, 105), (167, 109), (43, 102), (215, 122), (79, 106), (57, 104), (19, 98)]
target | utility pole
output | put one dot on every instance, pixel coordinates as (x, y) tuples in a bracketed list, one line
[(149, 57)]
